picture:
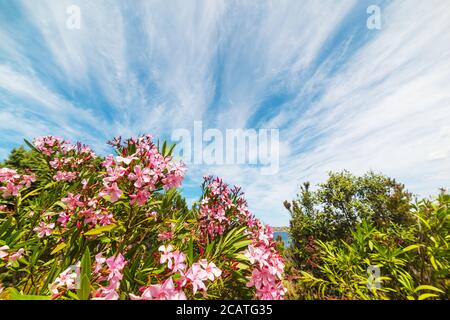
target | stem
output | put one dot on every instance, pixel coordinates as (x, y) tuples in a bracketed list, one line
[(127, 229)]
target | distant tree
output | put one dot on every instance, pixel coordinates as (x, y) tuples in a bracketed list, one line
[(26, 160), (19, 159), (339, 205)]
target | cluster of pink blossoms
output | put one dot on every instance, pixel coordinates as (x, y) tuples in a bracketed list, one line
[(198, 273), (194, 277), (66, 159), (67, 280), (216, 208), (109, 271), (222, 207), (44, 229), (81, 208), (268, 266), (11, 257), (164, 291), (143, 167), (11, 182)]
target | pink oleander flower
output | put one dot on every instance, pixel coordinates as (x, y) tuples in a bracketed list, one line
[(105, 219), (99, 262), (112, 191), (211, 270), (72, 201), (109, 161), (86, 150), (66, 280), (3, 253), (65, 176), (175, 177), (63, 219), (11, 190), (55, 163), (1, 287), (141, 197), (166, 255), (178, 261), (220, 215), (163, 236), (114, 174), (165, 291), (15, 256), (152, 214), (276, 266), (141, 177), (7, 174), (196, 275), (115, 266), (28, 180), (47, 144), (44, 229), (256, 255), (268, 266), (106, 294), (261, 278), (265, 235)]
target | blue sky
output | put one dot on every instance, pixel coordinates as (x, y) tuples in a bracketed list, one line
[(343, 96)]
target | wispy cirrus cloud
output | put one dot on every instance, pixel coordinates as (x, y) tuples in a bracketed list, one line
[(342, 95)]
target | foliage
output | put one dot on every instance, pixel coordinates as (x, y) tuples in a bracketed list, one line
[(411, 249), (337, 206), (77, 226)]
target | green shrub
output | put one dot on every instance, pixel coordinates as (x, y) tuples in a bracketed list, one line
[(77, 226), (339, 205), (413, 259)]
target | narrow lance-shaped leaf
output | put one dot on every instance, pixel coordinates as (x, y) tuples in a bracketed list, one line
[(85, 275)]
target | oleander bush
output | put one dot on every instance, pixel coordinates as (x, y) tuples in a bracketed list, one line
[(408, 244), (74, 225)]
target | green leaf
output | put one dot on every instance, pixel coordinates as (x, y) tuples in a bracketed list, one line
[(433, 262), (242, 266), (85, 288), (190, 251), (16, 295), (427, 295), (32, 147), (58, 248), (428, 287), (72, 295), (242, 244), (85, 283), (411, 247), (163, 152), (100, 230), (171, 149), (423, 221), (209, 248), (50, 276)]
